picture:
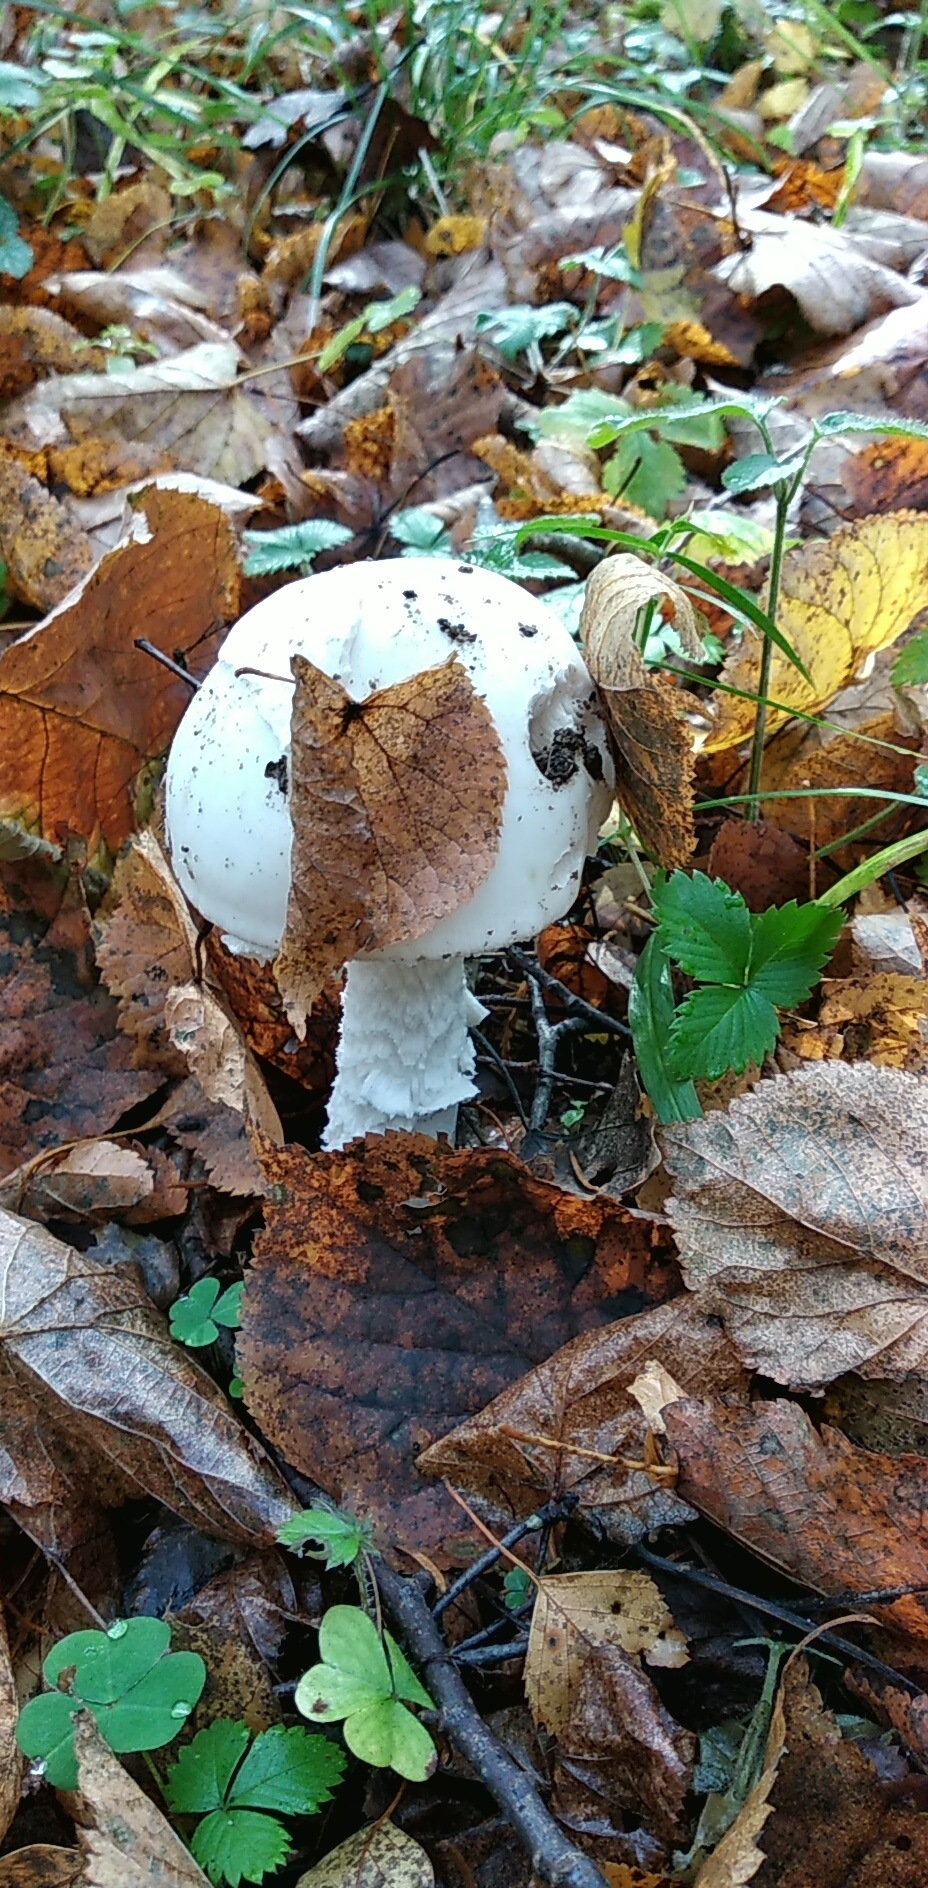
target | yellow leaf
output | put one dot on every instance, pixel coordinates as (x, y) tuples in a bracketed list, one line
[(841, 600)]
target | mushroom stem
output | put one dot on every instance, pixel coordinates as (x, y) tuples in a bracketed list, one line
[(405, 1058)]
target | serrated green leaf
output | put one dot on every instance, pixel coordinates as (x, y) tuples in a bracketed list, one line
[(287, 1770), (718, 1029), (832, 423), (387, 1736), (612, 428), (512, 330), (420, 530), (650, 1014), (584, 408), (911, 667), (236, 1845), (46, 1731), (789, 946), (752, 473), (198, 1781), (704, 430), (292, 546), (705, 927), (647, 472), (341, 1538)]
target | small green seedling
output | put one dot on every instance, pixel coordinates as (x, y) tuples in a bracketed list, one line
[(139, 1692), (195, 1318), (341, 1539), (365, 1680), (518, 1587), (293, 547), (748, 965), (372, 320), (242, 1787)]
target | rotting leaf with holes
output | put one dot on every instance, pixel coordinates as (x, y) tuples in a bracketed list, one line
[(397, 805), (578, 1614), (81, 708), (775, 1210), (841, 601), (646, 716), (83, 1340), (571, 1425), (400, 1285)]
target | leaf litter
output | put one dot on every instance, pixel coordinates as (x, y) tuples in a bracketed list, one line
[(558, 354)]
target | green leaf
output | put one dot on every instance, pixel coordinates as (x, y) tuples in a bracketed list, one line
[(341, 1538), (349, 1640), (236, 1845), (16, 256), (718, 1029), (647, 472), (200, 1778), (288, 1770), (704, 429), (911, 667), (832, 423), (139, 1693), (46, 1731), (514, 329), (756, 471), (613, 427), (293, 545), (194, 1317), (650, 1014), (387, 1736), (107, 1664), (405, 1683), (612, 265), (421, 531), (333, 351), (20, 90), (705, 927), (583, 409), (380, 315), (789, 946)]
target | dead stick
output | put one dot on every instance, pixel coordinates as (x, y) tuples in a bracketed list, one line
[(554, 1857)]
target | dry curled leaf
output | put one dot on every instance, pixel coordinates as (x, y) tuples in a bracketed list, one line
[(124, 1839), (646, 715), (801, 1217), (380, 1856), (621, 1752), (397, 805), (81, 708), (841, 601), (398, 1286), (11, 1762)]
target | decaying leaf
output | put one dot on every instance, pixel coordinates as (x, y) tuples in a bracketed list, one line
[(219, 1057), (737, 1858), (380, 1856), (578, 1614), (11, 1763), (573, 1425), (41, 1865), (95, 1180), (397, 805), (882, 1019), (841, 601), (399, 1286), (44, 551), (145, 943), (81, 709), (105, 1378), (646, 714), (834, 1517), (124, 1840), (836, 283), (621, 1752), (801, 1217)]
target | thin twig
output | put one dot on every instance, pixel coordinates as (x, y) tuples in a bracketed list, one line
[(577, 1006), (167, 662), (542, 1517)]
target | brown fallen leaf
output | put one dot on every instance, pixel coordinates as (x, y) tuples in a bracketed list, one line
[(398, 1286), (576, 1615), (737, 1858), (801, 1217), (380, 1856), (11, 1763), (886, 475), (837, 285), (219, 1057), (81, 709), (882, 1019), (44, 551), (621, 1753), (237, 1623), (124, 1840), (761, 861), (397, 805), (41, 1865), (35, 342), (65, 1070), (94, 1180), (653, 747), (834, 1517), (104, 1378), (572, 1426), (842, 600), (145, 943)]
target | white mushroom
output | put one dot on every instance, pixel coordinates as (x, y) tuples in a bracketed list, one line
[(405, 1058)]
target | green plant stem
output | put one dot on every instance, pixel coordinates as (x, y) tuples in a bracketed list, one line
[(874, 868), (766, 661)]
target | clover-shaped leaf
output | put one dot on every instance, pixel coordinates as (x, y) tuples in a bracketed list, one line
[(196, 1317), (139, 1693), (365, 1679)]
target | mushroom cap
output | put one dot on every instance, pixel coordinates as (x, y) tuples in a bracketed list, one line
[(369, 625)]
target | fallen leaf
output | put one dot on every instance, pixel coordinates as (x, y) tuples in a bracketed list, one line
[(576, 1616), (885, 940), (96, 1360), (761, 861), (380, 1856), (124, 1840), (41, 1865), (397, 806), (837, 285), (219, 1057), (81, 709), (120, 221), (646, 715), (35, 342), (146, 942), (572, 1425), (11, 1763), (94, 1181), (886, 475), (237, 1623), (842, 600), (835, 1518), (737, 1858), (397, 1287), (621, 1754), (44, 551), (776, 1209), (882, 1019)]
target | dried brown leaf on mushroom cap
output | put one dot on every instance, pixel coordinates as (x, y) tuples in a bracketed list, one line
[(397, 805), (653, 746)]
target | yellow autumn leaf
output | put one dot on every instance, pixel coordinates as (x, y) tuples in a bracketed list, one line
[(841, 600)]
